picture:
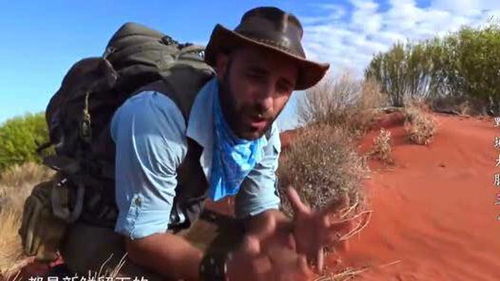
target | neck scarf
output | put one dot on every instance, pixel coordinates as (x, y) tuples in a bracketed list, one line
[(233, 158)]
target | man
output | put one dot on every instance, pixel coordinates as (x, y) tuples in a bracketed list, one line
[(230, 143)]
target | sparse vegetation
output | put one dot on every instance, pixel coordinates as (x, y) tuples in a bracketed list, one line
[(458, 67), (10, 243), (322, 162), (342, 102), (382, 149), (324, 167), (419, 124), (16, 184)]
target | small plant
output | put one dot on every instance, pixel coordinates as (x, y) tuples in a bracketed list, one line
[(16, 183), (342, 102), (323, 166), (419, 124), (382, 149)]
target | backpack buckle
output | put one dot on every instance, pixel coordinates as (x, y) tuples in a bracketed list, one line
[(85, 125)]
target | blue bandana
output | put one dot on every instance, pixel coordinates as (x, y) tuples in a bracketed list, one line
[(233, 158)]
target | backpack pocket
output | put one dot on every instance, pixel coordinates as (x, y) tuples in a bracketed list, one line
[(42, 227)]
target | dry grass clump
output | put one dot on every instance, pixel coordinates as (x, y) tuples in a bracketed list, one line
[(382, 149), (322, 165), (10, 243), (342, 102), (419, 124), (343, 275), (25, 173), (16, 184)]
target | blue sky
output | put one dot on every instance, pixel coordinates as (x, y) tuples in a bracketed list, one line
[(40, 40)]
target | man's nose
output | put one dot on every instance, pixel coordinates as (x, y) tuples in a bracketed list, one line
[(265, 99)]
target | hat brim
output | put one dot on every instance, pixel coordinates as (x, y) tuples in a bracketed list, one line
[(223, 39)]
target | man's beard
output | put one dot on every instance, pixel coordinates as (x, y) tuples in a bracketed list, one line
[(234, 113)]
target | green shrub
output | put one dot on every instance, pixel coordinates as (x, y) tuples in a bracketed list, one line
[(19, 139), (464, 63)]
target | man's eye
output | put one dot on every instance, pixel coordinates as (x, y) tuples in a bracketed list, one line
[(255, 75)]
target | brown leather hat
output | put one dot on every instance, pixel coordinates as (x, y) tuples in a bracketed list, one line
[(273, 29)]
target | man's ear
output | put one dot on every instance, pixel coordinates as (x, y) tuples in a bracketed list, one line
[(221, 64)]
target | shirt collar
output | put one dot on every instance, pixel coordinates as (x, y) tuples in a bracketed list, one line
[(200, 126)]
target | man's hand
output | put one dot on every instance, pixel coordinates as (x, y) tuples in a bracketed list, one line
[(268, 253), (315, 230)]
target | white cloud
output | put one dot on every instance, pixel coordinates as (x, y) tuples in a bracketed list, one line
[(347, 37), (465, 5)]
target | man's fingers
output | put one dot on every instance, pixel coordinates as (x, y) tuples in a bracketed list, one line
[(291, 244), (251, 246), (303, 266), (320, 260), (294, 198)]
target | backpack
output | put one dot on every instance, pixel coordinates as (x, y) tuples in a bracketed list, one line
[(79, 114)]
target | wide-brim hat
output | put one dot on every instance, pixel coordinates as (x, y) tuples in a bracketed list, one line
[(273, 29)]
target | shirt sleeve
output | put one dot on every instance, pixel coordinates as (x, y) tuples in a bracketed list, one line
[(259, 191), (148, 132)]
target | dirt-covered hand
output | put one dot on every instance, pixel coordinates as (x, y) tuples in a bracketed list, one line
[(268, 254)]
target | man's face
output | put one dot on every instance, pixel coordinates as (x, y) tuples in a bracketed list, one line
[(255, 85)]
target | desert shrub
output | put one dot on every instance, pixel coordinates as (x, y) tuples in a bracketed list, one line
[(419, 124), (322, 165), (28, 172), (393, 70), (342, 102), (10, 243), (16, 183), (19, 139), (382, 149), (461, 64)]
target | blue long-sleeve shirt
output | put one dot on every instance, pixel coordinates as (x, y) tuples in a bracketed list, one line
[(150, 134)]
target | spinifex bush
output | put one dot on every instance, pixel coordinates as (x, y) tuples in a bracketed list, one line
[(342, 102), (16, 183), (19, 138), (419, 124), (382, 146), (10, 243), (323, 165)]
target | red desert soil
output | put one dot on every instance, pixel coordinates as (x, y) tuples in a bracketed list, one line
[(434, 210)]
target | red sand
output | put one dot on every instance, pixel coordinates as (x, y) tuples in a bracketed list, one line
[(434, 210)]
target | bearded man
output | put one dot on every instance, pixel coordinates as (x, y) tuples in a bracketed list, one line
[(166, 165)]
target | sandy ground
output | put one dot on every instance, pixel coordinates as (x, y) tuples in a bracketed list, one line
[(434, 211)]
